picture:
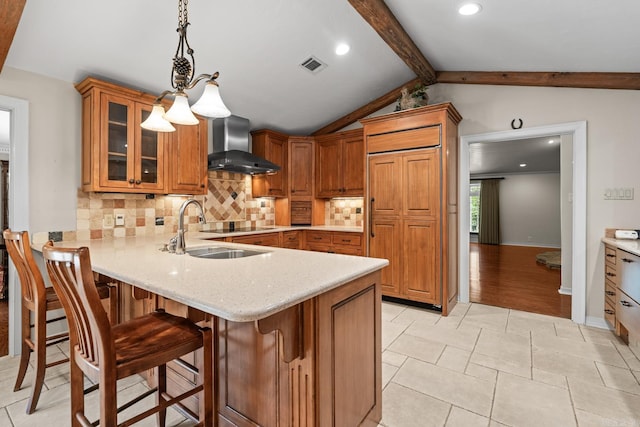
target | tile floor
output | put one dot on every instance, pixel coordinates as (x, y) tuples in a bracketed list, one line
[(480, 366)]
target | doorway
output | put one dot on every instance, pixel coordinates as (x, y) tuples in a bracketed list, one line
[(18, 203), (577, 130)]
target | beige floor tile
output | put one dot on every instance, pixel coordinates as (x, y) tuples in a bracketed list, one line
[(618, 378), (410, 315), (418, 348), (8, 363), (632, 361), (393, 358), (482, 372), (459, 417), (568, 330), (7, 381), (391, 331), (612, 404), (464, 339), (388, 371), (504, 352), (606, 353), (566, 365), (512, 367), (4, 418), (600, 336), (454, 358), (549, 378), (459, 310), (390, 310), (521, 402), (486, 317), (587, 419), (53, 409), (494, 423), (453, 387), (522, 323), (403, 407)]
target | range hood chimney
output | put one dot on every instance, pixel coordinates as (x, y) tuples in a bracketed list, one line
[(231, 148)]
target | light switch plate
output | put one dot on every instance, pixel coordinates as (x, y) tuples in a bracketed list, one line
[(119, 219), (618, 193)]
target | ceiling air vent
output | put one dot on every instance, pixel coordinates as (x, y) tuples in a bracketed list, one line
[(313, 65)]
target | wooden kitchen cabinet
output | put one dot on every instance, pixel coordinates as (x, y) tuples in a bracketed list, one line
[(119, 156), (301, 167), (339, 163), (339, 242), (272, 146), (261, 239), (291, 239), (610, 285), (413, 202), (187, 159)]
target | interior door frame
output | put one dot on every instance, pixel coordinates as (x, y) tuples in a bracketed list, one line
[(578, 130), (18, 200)]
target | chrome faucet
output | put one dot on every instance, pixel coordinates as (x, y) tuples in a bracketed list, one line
[(176, 244)]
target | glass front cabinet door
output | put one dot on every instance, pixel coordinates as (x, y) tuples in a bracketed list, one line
[(131, 157)]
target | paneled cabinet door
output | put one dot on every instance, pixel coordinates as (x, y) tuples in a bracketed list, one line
[(421, 184), (328, 168), (385, 185), (273, 147), (301, 169), (353, 166), (421, 264), (385, 241), (187, 159)]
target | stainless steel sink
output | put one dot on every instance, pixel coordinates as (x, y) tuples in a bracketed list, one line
[(216, 252)]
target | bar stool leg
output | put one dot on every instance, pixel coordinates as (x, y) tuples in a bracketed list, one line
[(26, 350), (39, 359), (162, 388)]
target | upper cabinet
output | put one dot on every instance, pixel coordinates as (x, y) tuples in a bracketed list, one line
[(301, 170), (272, 146), (119, 156), (340, 164)]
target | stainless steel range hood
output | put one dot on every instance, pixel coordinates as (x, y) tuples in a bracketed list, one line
[(231, 148)]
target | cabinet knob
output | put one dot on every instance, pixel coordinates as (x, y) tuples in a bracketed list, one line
[(131, 181), (138, 182), (201, 185)]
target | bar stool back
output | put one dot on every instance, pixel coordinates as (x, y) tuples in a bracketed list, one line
[(114, 352)]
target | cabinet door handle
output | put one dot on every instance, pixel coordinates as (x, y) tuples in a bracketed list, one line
[(371, 217), (626, 303), (346, 240), (611, 255), (609, 311), (610, 293), (627, 260), (317, 238), (610, 274)]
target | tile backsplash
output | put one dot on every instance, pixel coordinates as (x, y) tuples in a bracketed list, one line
[(346, 212), (228, 199)]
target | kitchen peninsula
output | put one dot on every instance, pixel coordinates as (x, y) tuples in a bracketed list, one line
[(297, 333)]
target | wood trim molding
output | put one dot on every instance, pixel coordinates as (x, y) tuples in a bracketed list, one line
[(380, 17), (553, 79), (366, 109), (10, 13)]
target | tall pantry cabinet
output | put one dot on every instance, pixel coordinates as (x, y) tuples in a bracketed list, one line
[(412, 166)]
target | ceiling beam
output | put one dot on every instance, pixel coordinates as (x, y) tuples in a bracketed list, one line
[(10, 13), (553, 79), (370, 108), (380, 17)]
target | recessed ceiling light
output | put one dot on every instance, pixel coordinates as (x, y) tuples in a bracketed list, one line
[(522, 165), (342, 49), (469, 9), (551, 141)]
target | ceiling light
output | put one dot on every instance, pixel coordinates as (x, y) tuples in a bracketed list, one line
[(522, 165), (469, 9), (342, 49), (551, 141), (210, 103)]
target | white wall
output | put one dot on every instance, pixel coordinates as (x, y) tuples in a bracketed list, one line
[(612, 148), (566, 211), (530, 210), (54, 146)]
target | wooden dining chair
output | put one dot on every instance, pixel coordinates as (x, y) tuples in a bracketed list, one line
[(109, 353), (39, 300)]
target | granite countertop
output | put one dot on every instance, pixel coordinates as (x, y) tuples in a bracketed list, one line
[(275, 229), (241, 289), (631, 246)]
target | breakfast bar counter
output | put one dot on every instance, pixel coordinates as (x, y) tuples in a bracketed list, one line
[(297, 333)]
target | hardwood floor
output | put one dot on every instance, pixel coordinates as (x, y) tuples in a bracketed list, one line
[(4, 327), (509, 276)]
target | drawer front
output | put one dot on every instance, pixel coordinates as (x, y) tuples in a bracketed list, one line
[(347, 250), (318, 247), (628, 274), (269, 239), (610, 273), (349, 239), (628, 313), (610, 314), (610, 292), (318, 237), (291, 239), (610, 255)]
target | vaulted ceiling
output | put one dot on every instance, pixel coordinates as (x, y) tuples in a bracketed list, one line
[(257, 46)]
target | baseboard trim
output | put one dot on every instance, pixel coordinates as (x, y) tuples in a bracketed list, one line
[(564, 291), (597, 322)]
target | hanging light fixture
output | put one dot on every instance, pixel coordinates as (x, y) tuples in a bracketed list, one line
[(184, 64)]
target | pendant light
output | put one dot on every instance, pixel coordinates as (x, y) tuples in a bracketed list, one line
[(210, 103)]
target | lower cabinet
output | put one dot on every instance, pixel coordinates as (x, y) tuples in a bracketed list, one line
[(291, 239), (262, 239), (339, 242)]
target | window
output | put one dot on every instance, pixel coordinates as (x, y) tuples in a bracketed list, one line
[(474, 203)]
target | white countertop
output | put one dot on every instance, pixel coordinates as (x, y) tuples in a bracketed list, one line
[(631, 246), (240, 289), (275, 229)]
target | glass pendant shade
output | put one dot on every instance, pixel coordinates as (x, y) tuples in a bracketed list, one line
[(156, 120), (210, 103), (180, 113)]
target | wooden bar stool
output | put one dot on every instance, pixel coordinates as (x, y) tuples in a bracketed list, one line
[(38, 299), (109, 353)]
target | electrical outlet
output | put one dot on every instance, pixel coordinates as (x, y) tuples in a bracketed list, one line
[(107, 221), (119, 219)]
